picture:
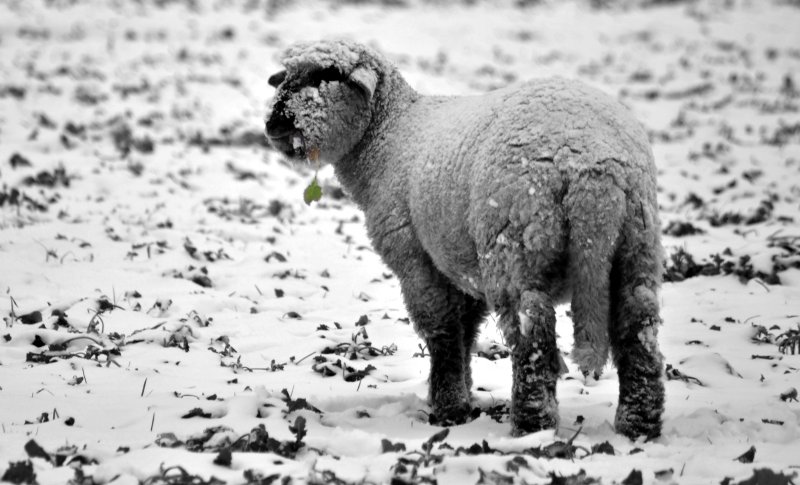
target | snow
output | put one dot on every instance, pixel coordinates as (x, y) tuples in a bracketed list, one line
[(133, 229)]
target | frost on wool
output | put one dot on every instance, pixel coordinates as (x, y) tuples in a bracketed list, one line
[(309, 107), (512, 201)]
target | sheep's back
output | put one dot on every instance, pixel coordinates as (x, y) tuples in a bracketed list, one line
[(467, 152)]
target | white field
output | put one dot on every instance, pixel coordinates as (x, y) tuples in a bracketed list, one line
[(718, 87)]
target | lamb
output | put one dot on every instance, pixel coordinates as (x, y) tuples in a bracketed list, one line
[(512, 201)]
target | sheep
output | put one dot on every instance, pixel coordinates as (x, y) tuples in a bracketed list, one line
[(512, 201)]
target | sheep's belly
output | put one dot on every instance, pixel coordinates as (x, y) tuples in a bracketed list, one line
[(469, 284), (465, 277), (458, 261), (472, 284)]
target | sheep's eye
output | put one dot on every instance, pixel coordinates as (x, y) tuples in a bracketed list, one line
[(315, 78), (312, 79)]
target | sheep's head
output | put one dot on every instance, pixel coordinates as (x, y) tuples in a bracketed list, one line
[(322, 106)]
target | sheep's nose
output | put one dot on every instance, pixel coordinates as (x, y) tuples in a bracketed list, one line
[(280, 131), (278, 126)]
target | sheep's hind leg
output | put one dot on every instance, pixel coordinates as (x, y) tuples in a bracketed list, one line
[(634, 328), (535, 363), (447, 319)]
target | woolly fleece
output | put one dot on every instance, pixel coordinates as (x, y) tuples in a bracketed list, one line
[(511, 201)]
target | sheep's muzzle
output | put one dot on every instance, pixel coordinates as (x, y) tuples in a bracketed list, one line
[(284, 137)]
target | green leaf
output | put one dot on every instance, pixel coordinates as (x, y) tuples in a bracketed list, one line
[(313, 192)]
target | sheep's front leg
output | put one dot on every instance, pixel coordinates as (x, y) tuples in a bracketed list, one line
[(475, 313), (447, 319), (531, 333)]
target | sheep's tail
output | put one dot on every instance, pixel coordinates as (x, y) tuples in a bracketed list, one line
[(596, 207)]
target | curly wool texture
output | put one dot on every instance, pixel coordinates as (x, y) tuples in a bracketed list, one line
[(314, 105), (345, 56), (513, 201)]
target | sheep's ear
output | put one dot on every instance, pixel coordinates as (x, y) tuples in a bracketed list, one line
[(276, 79), (366, 79)]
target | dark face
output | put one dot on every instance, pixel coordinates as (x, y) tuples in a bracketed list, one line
[(282, 134), (279, 125), (319, 109)]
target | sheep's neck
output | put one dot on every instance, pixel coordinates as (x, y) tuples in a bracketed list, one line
[(362, 171)]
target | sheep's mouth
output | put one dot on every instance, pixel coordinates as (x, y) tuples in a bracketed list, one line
[(282, 133), (291, 143)]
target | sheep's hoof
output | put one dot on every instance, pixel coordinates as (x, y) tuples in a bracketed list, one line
[(590, 360), (451, 416), (633, 425), (536, 413), (594, 374), (523, 425)]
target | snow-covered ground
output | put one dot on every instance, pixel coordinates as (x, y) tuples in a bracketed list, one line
[(174, 313)]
